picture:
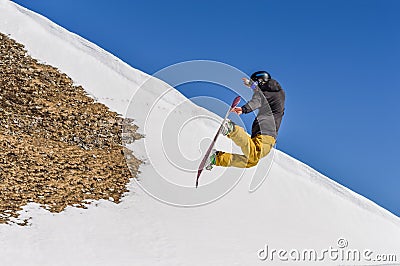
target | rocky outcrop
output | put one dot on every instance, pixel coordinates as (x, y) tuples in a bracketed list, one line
[(58, 147)]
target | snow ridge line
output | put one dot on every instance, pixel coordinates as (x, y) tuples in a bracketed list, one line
[(302, 169), (119, 66)]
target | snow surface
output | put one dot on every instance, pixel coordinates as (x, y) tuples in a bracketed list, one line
[(295, 208)]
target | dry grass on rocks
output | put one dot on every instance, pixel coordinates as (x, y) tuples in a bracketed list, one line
[(58, 147)]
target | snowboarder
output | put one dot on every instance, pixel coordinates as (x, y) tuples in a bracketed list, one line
[(269, 99)]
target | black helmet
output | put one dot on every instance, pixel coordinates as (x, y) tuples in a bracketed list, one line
[(260, 77)]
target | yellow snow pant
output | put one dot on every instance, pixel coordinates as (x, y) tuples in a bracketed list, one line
[(253, 149)]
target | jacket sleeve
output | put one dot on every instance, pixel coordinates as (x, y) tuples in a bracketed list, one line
[(254, 103)]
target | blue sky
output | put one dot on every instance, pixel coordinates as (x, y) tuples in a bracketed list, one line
[(338, 61)]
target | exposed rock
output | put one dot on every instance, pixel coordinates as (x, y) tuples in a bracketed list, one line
[(58, 147)]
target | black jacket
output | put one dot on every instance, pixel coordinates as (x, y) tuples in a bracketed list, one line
[(270, 100)]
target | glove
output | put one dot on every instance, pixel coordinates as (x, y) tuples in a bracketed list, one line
[(246, 82), (237, 110)]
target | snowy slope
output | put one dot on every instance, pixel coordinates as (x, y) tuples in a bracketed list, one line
[(295, 208)]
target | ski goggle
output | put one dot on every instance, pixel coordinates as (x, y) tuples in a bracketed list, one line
[(253, 84)]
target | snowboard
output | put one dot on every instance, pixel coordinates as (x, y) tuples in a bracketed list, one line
[(207, 154)]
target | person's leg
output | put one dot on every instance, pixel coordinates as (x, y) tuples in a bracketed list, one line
[(226, 159), (240, 137), (264, 143), (243, 140), (253, 149)]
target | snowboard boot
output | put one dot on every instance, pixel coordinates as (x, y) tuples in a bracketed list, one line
[(211, 160), (227, 127)]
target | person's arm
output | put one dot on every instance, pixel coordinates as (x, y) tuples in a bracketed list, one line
[(251, 105), (254, 103)]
